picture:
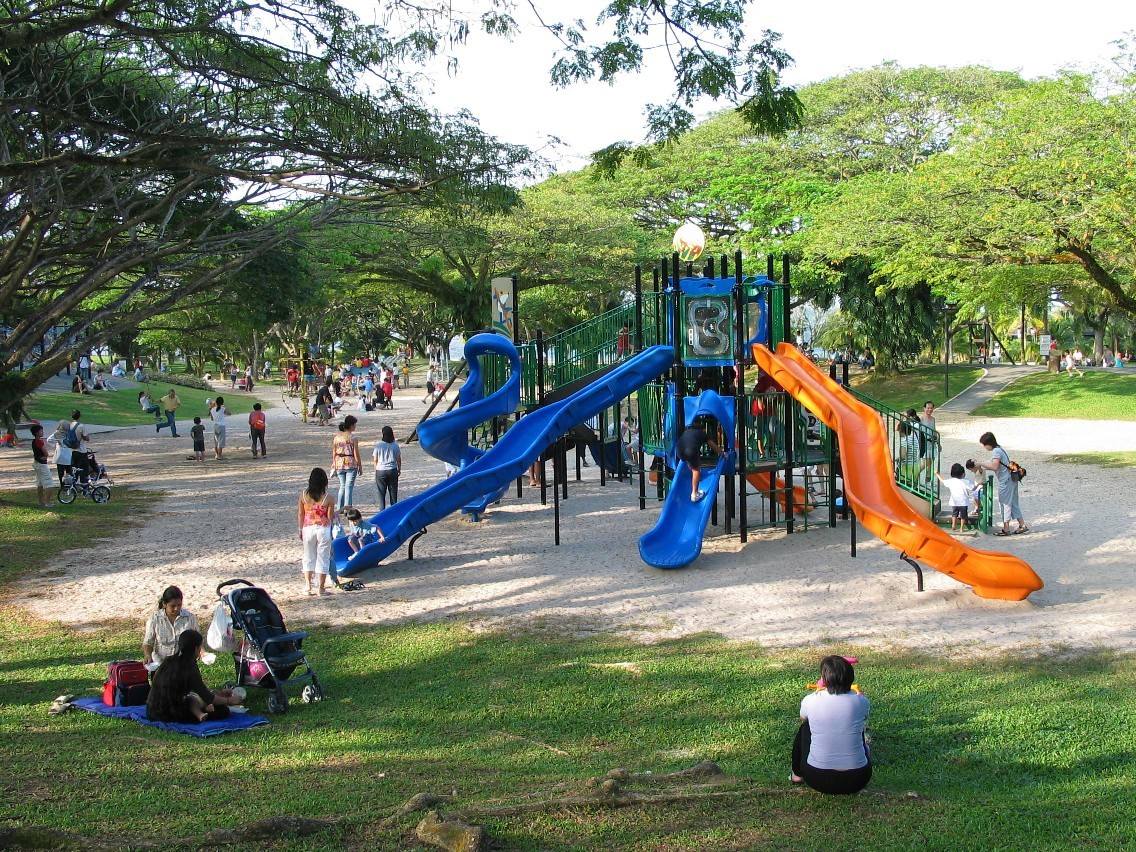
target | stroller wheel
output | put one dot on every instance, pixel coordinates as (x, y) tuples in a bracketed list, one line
[(311, 695), (277, 704)]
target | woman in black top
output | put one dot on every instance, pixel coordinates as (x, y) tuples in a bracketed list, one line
[(178, 694)]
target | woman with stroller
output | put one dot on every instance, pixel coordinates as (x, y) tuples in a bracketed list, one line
[(316, 509), (178, 694)]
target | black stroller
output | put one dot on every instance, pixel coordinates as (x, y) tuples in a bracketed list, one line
[(269, 654)]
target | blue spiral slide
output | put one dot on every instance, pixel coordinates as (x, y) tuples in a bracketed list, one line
[(508, 459), (676, 539)]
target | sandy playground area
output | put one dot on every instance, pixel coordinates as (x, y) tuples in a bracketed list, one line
[(237, 518)]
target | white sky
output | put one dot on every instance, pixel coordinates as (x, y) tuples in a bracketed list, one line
[(505, 84)]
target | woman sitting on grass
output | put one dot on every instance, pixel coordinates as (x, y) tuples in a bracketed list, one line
[(178, 693), (829, 752)]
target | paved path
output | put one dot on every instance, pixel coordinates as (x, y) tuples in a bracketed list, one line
[(996, 377)]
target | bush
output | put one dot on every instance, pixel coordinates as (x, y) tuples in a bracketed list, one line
[(183, 380)]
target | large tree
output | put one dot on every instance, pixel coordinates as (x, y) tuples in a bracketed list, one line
[(1034, 200), (137, 134)]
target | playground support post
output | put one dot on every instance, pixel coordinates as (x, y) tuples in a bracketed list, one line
[(679, 371), (790, 407), (540, 356), (740, 409)]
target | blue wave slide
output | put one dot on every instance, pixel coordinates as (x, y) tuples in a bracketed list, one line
[(676, 539), (508, 459)]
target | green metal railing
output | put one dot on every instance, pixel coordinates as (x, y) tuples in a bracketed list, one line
[(914, 451)]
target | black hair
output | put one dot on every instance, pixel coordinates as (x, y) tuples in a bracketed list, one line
[(348, 421), (218, 402), (388, 435), (76, 414), (352, 514), (987, 439), (837, 673), (971, 464), (36, 430), (256, 407), (903, 427), (957, 471), (197, 420), (172, 593), (317, 483)]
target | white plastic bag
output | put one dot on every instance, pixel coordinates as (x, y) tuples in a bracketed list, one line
[(220, 636)]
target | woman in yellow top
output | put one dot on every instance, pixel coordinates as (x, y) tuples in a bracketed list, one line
[(345, 461), (314, 520)]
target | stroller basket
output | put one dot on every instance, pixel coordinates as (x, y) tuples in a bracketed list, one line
[(270, 655)]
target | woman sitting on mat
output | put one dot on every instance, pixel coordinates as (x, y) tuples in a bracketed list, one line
[(178, 694), (829, 752)]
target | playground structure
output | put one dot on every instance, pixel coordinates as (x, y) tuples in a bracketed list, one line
[(792, 439)]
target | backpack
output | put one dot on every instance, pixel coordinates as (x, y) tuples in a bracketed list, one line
[(1017, 472), (71, 439), (127, 684)]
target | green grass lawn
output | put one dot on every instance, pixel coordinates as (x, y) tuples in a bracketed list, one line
[(914, 386), (1100, 395), (1126, 458), (120, 408), (1020, 752)]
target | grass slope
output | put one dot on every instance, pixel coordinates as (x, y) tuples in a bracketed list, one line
[(1100, 395), (912, 387), (111, 408)]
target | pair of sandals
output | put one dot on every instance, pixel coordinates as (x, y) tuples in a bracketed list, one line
[(1018, 531), (61, 704), (350, 586)]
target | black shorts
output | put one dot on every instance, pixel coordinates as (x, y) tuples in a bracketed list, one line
[(960, 512)]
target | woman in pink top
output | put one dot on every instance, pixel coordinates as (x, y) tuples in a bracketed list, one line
[(314, 520)]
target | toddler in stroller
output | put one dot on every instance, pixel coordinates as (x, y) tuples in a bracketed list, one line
[(269, 654)]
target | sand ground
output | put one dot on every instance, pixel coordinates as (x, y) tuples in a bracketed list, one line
[(237, 518)]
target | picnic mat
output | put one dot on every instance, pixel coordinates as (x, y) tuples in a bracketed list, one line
[(236, 722)]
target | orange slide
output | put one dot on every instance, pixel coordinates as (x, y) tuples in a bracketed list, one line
[(872, 491), (761, 481)]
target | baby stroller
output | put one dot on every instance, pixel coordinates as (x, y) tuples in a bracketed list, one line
[(269, 654)]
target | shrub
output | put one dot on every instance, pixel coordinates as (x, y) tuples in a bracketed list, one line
[(183, 380)]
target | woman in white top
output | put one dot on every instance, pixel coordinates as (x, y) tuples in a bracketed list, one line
[(388, 466), (829, 752), (165, 626)]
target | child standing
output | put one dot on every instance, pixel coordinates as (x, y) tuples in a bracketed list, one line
[(197, 435), (256, 430), (960, 496)]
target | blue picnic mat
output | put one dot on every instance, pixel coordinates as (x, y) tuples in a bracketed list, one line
[(236, 722)]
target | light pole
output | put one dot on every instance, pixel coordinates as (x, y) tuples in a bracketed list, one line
[(949, 311)]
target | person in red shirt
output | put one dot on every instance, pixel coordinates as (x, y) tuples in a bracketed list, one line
[(256, 430)]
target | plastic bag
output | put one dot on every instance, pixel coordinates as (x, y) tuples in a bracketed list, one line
[(220, 636)]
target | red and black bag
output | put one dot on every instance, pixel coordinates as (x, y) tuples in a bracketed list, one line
[(127, 684)]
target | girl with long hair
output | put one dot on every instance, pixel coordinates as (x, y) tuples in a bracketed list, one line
[(315, 512)]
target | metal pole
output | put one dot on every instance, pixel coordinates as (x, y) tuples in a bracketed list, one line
[(791, 406), (540, 401), (740, 410)]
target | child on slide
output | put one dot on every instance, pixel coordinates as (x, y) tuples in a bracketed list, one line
[(688, 448), (358, 529)]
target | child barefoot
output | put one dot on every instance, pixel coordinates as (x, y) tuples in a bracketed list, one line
[(197, 434)]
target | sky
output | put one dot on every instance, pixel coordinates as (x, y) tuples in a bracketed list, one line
[(505, 84)]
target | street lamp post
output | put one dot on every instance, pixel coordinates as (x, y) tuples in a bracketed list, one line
[(949, 311)]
